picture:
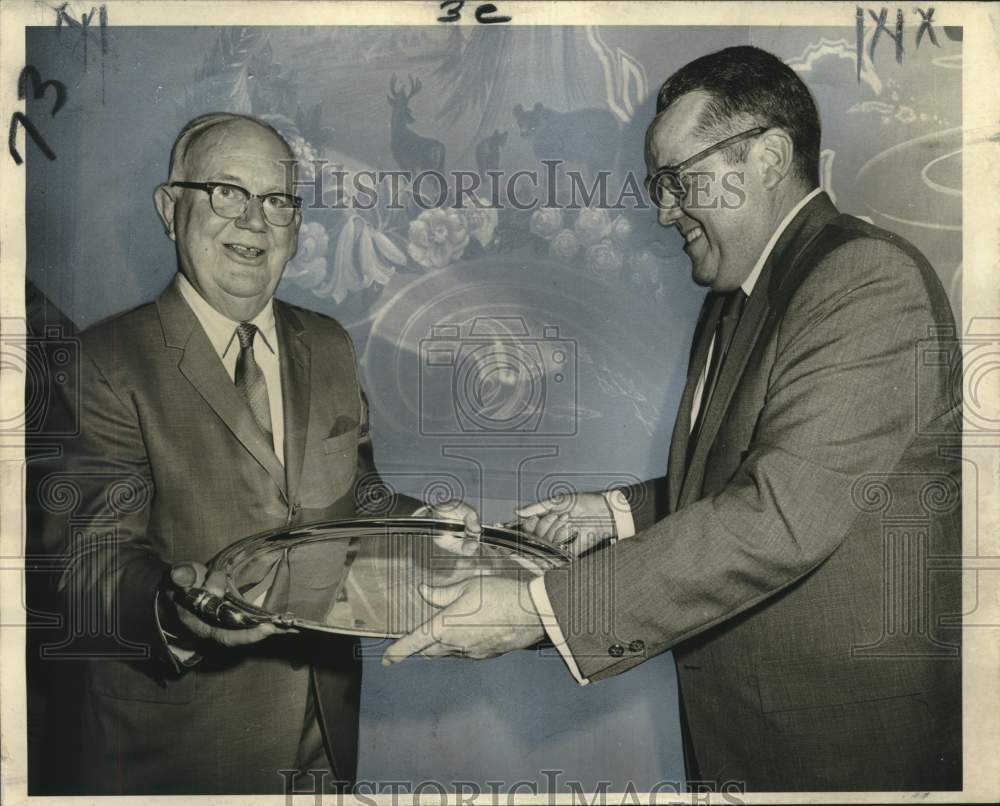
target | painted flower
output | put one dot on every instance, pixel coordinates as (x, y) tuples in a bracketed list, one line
[(546, 221), (305, 158), (308, 267), (604, 259), (438, 237), (564, 244), (302, 149), (374, 268), (621, 229), (644, 269), (482, 220), (592, 224)]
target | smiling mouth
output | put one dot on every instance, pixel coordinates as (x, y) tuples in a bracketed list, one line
[(691, 235), (244, 251)]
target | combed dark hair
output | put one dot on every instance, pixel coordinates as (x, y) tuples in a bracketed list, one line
[(749, 87)]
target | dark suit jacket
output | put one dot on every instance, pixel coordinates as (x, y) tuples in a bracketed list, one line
[(788, 563), (169, 465)]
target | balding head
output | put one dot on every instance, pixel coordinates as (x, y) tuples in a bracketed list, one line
[(216, 124), (223, 169)]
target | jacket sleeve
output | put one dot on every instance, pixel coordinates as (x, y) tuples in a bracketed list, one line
[(839, 404), (373, 496), (647, 501), (96, 512)]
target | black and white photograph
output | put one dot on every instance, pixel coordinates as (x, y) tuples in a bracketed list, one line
[(420, 402)]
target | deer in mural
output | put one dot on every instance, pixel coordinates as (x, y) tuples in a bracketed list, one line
[(413, 152)]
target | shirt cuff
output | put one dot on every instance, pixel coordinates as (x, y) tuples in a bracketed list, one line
[(621, 512), (185, 657), (540, 599)]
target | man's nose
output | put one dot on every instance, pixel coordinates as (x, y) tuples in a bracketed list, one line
[(669, 212), (253, 217)]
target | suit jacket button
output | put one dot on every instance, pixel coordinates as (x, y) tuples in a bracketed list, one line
[(637, 646), (616, 650)]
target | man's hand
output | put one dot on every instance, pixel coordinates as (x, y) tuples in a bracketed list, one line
[(193, 575), (482, 617), (455, 510), (576, 521)]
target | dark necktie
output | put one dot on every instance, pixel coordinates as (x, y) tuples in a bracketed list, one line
[(250, 380), (731, 310)]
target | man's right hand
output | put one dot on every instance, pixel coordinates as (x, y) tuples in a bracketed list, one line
[(195, 575), (575, 521)]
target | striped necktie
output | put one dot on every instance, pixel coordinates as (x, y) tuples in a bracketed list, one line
[(250, 380)]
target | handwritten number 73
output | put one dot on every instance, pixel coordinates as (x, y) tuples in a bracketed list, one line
[(29, 73)]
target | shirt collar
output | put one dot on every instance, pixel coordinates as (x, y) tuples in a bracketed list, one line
[(220, 329), (751, 280)]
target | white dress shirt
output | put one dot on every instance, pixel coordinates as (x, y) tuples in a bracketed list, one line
[(621, 512), (221, 331)]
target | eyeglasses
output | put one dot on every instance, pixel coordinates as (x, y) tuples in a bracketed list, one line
[(231, 201), (668, 179)]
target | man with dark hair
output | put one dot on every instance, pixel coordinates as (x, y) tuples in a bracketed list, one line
[(210, 414), (748, 86), (812, 471)]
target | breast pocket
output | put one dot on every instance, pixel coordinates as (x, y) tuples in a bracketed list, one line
[(329, 473)]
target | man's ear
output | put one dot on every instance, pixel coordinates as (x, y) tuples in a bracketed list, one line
[(776, 155), (164, 203)]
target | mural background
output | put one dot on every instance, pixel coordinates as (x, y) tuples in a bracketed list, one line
[(505, 353)]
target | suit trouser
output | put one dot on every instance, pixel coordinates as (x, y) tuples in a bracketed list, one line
[(313, 763)]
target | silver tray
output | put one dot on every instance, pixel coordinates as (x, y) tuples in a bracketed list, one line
[(360, 577)]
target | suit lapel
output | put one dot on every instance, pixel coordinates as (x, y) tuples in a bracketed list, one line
[(296, 392), (708, 320), (777, 269), (201, 366), (735, 361), (789, 272)]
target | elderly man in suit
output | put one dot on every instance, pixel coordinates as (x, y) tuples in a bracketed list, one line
[(212, 413), (783, 556)]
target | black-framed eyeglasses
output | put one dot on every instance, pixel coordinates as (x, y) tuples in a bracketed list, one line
[(668, 179), (231, 201)]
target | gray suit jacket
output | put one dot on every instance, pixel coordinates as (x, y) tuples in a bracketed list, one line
[(788, 563), (169, 465)]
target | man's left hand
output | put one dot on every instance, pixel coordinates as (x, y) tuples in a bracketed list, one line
[(481, 617)]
